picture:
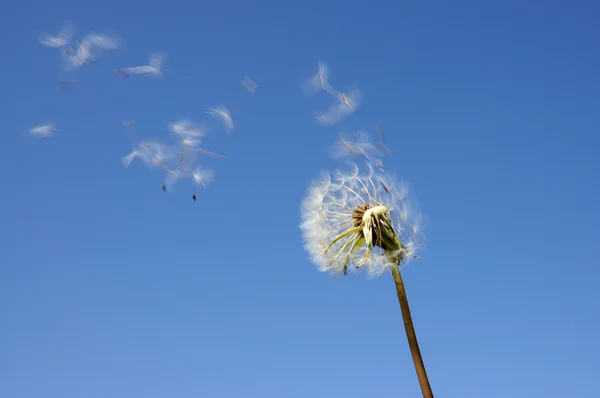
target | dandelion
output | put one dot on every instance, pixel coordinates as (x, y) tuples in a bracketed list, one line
[(365, 219), (192, 144)]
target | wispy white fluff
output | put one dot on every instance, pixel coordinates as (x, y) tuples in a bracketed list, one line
[(327, 211)]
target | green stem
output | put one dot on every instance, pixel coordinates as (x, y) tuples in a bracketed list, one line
[(411, 335)]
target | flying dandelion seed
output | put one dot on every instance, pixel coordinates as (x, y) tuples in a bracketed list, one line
[(126, 160), (249, 84), (249, 87), (357, 145), (365, 219), (201, 177), (171, 177), (186, 128), (86, 51), (61, 40), (105, 41), (319, 81), (189, 138), (130, 126), (153, 69), (193, 144), (316, 82), (343, 106), (44, 131), (151, 153), (205, 152), (344, 148), (90, 47), (222, 114), (380, 132)]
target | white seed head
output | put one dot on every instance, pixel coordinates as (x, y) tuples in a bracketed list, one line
[(360, 219)]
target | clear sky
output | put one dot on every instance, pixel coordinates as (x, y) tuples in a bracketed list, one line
[(110, 287)]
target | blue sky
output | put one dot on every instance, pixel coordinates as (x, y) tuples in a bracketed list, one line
[(110, 287)]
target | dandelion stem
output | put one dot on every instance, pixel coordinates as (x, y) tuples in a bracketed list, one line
[(411, 335)]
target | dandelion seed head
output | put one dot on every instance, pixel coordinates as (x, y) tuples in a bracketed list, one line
[(360, 218)]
